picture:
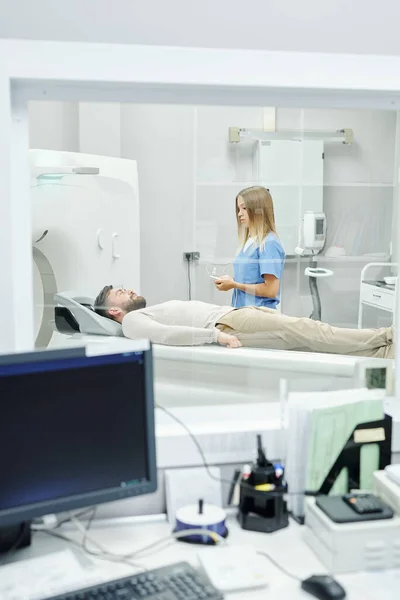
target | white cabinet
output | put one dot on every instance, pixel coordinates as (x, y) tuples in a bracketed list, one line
[(375, 293), (293, 171)]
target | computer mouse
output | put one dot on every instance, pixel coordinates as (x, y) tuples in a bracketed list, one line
[(323, 587)]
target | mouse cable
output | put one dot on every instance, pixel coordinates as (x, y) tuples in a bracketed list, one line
[(205, 462), (278, 566)]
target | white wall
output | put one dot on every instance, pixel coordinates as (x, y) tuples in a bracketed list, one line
[(357, 27), (358, 197), (163, 136), (104, 139), (189, 175), (54, 125)]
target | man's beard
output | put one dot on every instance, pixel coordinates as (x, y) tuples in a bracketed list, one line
[(135, 304)]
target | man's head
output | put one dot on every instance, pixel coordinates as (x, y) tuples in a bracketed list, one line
[(114, 303)]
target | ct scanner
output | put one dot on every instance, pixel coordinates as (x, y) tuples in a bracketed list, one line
[(86, 234), (86, 228)]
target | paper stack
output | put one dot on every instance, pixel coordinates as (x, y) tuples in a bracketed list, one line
[(319, 425)]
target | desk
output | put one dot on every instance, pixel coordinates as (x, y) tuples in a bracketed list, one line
[(286, 546)]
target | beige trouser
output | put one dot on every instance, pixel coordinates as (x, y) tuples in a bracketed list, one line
[(267, 328)]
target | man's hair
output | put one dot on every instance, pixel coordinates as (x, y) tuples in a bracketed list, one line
[(100, 304)]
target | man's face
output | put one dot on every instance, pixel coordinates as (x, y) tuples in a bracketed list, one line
[(122, 301)]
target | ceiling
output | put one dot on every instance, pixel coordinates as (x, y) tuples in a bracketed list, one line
[(363, 26)]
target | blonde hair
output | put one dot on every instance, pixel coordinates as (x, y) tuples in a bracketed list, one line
[(260, 209)]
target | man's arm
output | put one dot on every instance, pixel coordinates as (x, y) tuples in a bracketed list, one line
[(137, 325)]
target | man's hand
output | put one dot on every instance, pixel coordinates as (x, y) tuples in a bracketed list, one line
[(230, 341), (225, 283)]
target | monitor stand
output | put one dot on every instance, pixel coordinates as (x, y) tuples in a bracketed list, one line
[(14, 537)]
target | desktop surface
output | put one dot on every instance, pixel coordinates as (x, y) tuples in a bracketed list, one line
[(124, 536)]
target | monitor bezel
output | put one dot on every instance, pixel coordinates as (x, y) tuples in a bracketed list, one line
[(28, 512)]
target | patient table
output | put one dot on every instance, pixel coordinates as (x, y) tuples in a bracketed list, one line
[(200, 375)]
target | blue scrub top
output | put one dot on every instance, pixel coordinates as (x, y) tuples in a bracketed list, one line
[(251, 263)]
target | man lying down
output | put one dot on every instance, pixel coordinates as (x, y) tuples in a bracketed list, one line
[(186, 323)]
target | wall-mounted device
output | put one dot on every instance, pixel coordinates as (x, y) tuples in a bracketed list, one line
[(313, 239), (314, 230)]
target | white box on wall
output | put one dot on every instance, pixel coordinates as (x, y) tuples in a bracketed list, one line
[(293, 171)]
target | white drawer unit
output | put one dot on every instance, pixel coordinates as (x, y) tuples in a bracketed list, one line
[(376, 293), (378, 296)]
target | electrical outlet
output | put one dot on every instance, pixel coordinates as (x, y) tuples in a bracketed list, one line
[(191, 256)]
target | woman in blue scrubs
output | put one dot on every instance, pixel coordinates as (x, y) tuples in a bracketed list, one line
[(258, 266)]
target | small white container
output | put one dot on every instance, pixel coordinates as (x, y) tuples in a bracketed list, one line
[(390, 280)]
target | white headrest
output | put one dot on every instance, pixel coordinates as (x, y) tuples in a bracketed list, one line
[(89, 321)]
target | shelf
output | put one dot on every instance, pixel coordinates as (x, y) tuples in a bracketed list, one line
[(306, 259), (337, 259), (278, 184)]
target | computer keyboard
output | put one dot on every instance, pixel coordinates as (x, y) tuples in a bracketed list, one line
[(179, 581)]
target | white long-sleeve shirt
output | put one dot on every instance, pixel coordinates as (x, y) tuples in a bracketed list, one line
[(175, 323)]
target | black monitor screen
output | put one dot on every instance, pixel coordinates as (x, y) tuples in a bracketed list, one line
[(75, 432)]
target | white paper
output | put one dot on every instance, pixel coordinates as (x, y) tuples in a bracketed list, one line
[(301, 406), (42, 577)]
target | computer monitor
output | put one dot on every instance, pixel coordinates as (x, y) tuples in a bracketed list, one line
[(41, 355), (75, 432)]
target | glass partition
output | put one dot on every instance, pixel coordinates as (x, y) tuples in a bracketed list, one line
[(167, 219)]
